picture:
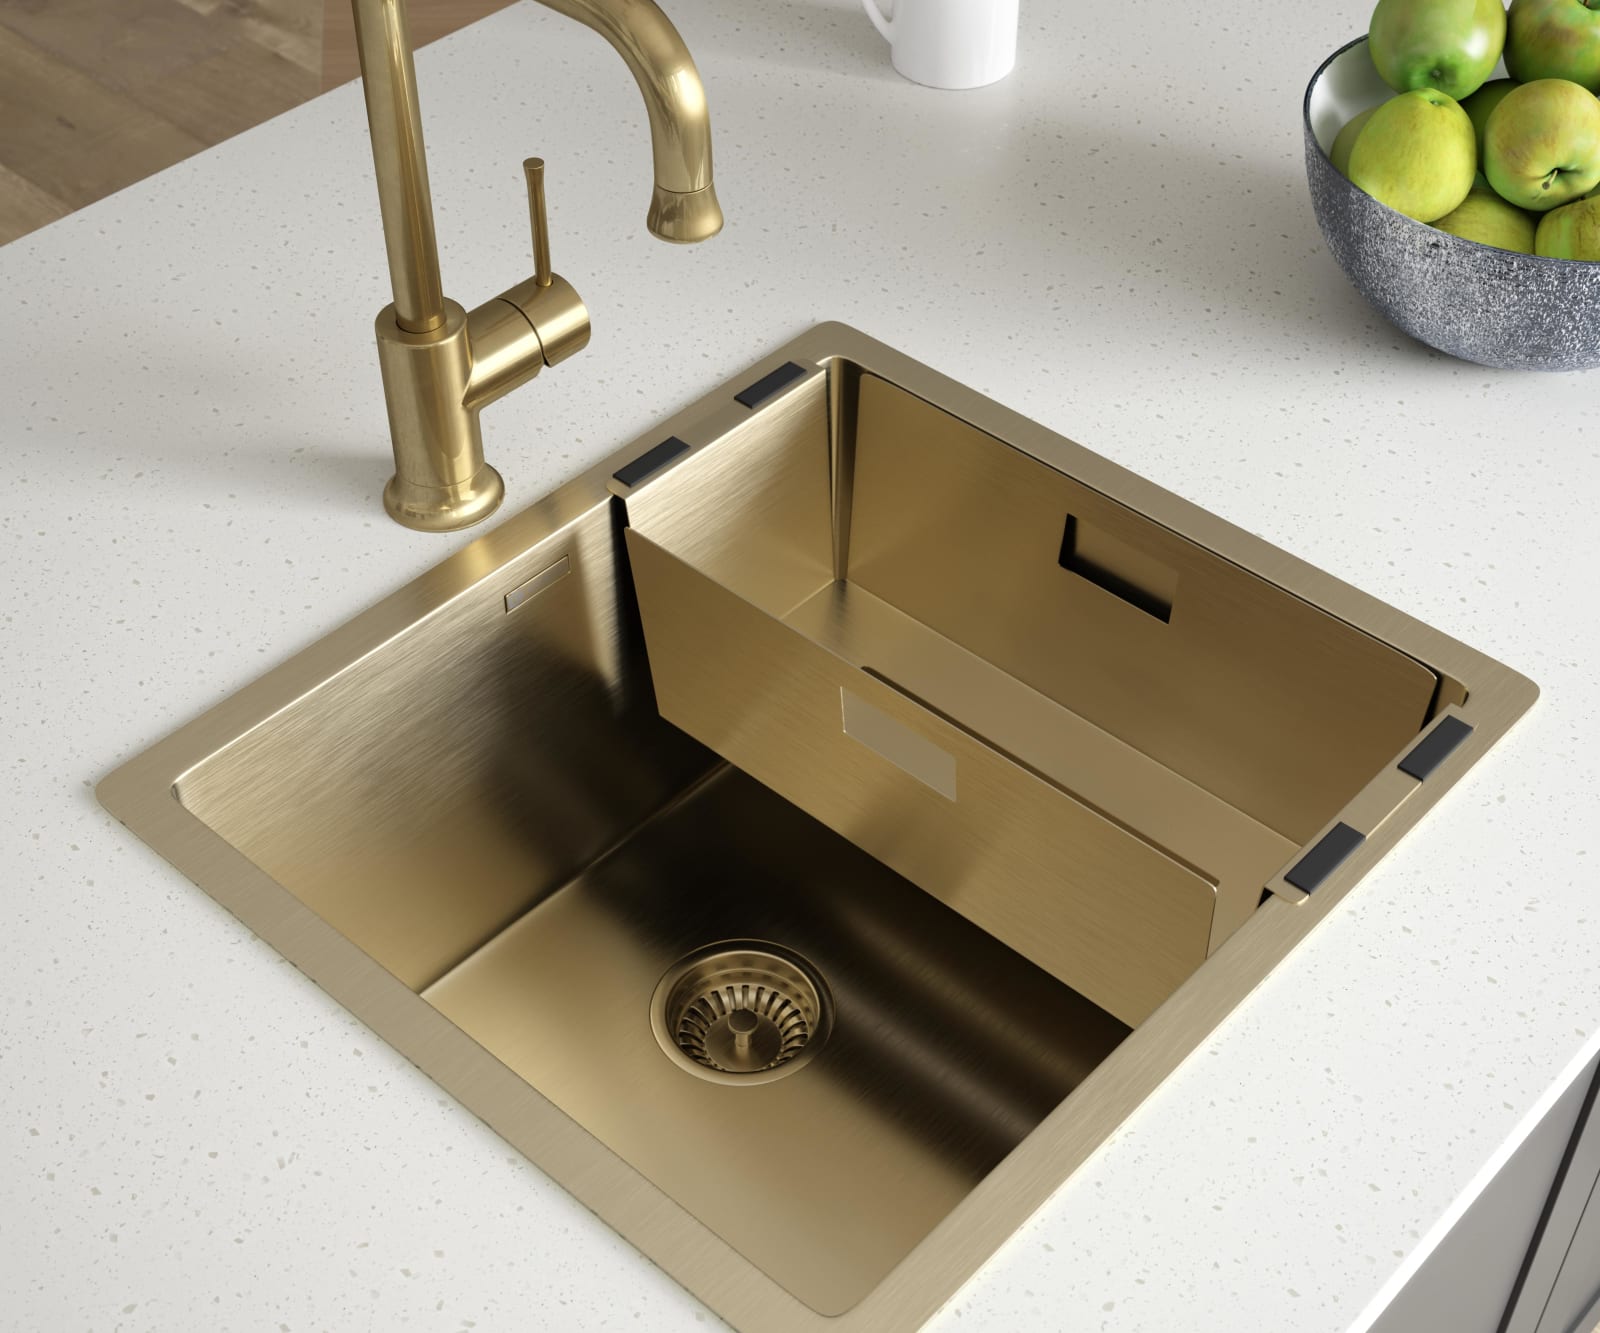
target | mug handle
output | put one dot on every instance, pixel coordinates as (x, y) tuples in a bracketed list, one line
[(882, 24)]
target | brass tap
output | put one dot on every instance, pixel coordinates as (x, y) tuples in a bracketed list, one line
[(441, 365)]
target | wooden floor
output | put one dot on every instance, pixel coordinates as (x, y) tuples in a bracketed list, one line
[(97, 94)]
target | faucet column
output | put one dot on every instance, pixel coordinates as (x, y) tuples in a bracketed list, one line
[(394, 119), (440, 481)]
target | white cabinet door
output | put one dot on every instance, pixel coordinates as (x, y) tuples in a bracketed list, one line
[(1560, 1287), (1485, 1272)]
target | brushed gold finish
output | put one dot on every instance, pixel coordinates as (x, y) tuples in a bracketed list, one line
[(1103, 788), (1015, 853), (684, 217), (556, 313), (742, 1012), (524, 592), (1055, 745), (683, 205), (394, 115), (440, 481), (474, 828), (901, 745), (945, 1049), (441, 366), (1258, 697), (538, 220)]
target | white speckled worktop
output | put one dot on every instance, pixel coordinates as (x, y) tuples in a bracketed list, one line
[(1116, 241)]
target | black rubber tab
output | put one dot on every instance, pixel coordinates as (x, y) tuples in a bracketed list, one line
[(768, 385), (631, 474), (1434, 748), (1326, 857)]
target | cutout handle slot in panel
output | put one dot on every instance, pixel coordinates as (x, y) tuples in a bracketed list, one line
[(1122, 570)]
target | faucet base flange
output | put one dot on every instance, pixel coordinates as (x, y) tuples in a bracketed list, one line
[(444, 508)]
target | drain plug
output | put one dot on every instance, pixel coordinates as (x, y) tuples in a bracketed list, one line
[(742, 1011)]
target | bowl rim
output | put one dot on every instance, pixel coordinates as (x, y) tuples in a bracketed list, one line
[(1305, 122)]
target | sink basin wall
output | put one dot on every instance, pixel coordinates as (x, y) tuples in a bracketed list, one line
[(440, 786), (1276, 707)]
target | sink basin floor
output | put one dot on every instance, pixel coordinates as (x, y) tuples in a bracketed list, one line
[(946, 1050)]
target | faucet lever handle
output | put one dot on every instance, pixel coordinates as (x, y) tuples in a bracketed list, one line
[(559, 319), (533, 169)]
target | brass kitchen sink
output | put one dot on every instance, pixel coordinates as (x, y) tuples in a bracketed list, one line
[(810, 833)]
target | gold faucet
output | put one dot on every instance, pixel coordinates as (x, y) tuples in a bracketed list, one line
[(441, 366)]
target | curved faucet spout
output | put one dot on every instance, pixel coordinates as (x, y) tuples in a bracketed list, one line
[(684, 207)]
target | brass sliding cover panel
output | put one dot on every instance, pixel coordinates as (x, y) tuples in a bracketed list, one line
[(475, 768), (1099, 776), (1085, 899)]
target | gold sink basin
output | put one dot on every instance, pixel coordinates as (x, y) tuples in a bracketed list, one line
[(810, 833)]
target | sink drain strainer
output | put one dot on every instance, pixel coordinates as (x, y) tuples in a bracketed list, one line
[(742, 1011)]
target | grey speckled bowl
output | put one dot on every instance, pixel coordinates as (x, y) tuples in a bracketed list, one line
[(1517, 312)]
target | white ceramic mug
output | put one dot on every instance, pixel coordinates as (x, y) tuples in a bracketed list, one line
[(950, 43)]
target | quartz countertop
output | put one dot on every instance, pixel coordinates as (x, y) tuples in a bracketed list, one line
[(1117, 241)]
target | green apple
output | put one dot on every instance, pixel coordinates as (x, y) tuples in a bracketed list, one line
[(1448, 45), (1541, 148), (1417, 154), (1554, 39), (1481, 103), (1484, 217), (1345, 140), (1571, 232)]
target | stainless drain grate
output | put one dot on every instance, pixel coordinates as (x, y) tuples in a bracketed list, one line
[(741, 1011), (742, 1028)]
